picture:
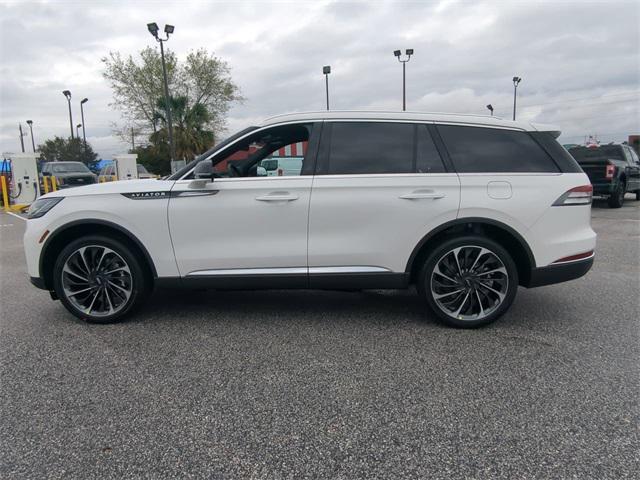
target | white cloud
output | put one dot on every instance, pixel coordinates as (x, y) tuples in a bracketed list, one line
[(580, 71)]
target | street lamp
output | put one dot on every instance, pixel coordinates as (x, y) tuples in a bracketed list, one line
[(67, 94), (327, 70), (168, 29), (490, 107), (77, 132), (84, 135), (408, 52), (516, 81), (33, 142)]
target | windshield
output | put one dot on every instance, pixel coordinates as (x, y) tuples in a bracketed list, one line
[(70, 168), (209, 152), (582, 154)]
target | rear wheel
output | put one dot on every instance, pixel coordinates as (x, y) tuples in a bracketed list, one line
[(469, 281), (617, 198), (99, 280)]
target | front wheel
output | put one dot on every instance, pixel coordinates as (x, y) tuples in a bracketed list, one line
[(469, 281), (98, 279)]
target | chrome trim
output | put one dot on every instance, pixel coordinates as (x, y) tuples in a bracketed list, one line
[(593, 254), (251, 271), (349, 269), (289, 271)]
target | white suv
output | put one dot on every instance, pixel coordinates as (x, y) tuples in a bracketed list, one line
[(466, 208)]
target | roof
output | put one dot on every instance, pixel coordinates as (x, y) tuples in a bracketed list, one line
[(457, 118)]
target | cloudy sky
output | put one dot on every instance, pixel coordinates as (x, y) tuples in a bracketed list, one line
[(579, 61)]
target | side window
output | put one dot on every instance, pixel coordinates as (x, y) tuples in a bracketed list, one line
[(277, 151), (491, 150), (370, 147), (634, 156), (629, 154)]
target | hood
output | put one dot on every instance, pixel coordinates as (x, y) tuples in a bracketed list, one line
[(121, 186)]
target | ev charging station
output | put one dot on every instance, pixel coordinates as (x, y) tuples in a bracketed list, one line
[(22, 172), (126, 166)]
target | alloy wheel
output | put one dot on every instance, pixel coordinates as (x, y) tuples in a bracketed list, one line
[(97, 280), (469, 283)]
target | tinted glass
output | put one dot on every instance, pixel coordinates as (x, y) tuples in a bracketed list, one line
[(560, 155), (585, 154), (70, 168), (371, 147), (477, 149), (427, 157)]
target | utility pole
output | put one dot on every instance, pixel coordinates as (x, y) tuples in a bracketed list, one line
[(33, 142), (21, 135), (133, 141), (327, 70), (168, 30), (397, 54)]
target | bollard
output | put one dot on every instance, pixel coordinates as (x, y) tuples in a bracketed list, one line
[(45, 183), (54, 184), (5, 192)]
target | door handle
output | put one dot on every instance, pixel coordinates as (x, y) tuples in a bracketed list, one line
[(417, 195), (277, 197)]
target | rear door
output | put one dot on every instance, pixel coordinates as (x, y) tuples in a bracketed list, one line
[(633, 170), (379, 188)]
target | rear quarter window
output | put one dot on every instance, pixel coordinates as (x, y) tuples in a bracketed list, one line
[(491, 150)]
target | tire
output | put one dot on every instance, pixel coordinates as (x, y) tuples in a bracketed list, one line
[(480, 302), (616, 199), (109, 277)]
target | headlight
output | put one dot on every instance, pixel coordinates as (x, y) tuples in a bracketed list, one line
[(42, 206)]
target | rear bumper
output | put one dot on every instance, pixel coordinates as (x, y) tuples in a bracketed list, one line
[(559, 273), (607, 188)]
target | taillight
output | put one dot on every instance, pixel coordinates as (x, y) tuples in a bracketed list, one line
[(581, 195), (611, 170)]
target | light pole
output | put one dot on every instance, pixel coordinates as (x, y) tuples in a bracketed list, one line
[(21, 137), (516, 81), (77, 132), (84, 135), (168, 29), (33, 142), (67, 94), (327, 70), (408, 52), (490, 107)]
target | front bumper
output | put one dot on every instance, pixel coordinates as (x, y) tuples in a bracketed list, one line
[(559, 273)]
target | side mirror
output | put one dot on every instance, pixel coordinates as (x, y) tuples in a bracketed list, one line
[(204, 170), (261, 172)]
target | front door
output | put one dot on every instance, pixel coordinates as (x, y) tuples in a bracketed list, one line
[(246, 222)]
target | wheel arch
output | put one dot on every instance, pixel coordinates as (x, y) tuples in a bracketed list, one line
[(73, 230), (505, 235)]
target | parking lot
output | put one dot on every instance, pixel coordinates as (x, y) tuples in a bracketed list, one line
[(324, 384)]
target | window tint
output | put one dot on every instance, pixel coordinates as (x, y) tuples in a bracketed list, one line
[(277, 151), (371, 147), (427, 157), (477, 149)]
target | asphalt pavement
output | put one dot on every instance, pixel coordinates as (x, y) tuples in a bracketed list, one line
[(331, 385)]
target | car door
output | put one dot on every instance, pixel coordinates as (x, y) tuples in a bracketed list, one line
[(380, 187), (244, 223)]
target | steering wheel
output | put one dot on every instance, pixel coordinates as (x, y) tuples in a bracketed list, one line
[(235, 170)]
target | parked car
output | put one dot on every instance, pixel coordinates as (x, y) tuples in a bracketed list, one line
[(466, 208), (286, 166), (67, 174), (613, 170), (108, 173)]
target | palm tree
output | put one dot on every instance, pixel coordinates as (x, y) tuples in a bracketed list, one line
[(189, 132)]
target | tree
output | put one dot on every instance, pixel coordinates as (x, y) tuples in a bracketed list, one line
[(67, 150), (202, 79)]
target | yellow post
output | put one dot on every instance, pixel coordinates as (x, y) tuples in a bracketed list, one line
[(5, 192), (54, 184), (113, 178), (45, 182)]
